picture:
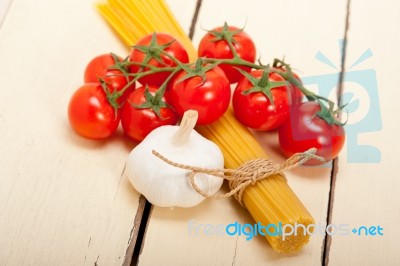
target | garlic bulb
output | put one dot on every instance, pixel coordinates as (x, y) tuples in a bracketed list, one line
[(165, 185)]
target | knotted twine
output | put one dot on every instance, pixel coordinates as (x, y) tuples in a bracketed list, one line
[(247, 174)]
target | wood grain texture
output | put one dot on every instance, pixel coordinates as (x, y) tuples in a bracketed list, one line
[(63, 199), (367, 194), (298, 33)]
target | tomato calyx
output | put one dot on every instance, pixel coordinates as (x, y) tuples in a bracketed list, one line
[(263, 84), (153, 50), (197, 70), (329, 115), (120, 65), (154, 103), (227, 35)]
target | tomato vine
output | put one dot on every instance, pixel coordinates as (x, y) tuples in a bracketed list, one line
[(198, 69)]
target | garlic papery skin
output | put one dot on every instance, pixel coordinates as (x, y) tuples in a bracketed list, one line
[(167, 186)]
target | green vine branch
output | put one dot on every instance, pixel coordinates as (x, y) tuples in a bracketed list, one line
[(327, 107)]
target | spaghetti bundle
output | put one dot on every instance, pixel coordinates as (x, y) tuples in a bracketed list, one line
[(270, 201)]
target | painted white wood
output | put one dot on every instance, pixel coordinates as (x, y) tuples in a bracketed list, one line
[(4, 5), (62, 198), (367, 194), (297, 30), (183, 12)]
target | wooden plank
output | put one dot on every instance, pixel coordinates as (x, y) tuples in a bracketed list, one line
[(367, 192), (293, 29), (183, 12), (63, 200), (4, 5)]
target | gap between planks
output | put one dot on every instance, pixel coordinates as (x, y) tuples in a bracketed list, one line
[(134, 236), (335, 164)]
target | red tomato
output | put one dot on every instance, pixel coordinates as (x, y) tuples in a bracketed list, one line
[(296, 94), (255, 110), (212, 46), (210, 98), (156, 59), (305, 130), (90, 114), (139, 122), (99, 67)]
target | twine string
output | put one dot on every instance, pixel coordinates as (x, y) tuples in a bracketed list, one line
[(247, 174)]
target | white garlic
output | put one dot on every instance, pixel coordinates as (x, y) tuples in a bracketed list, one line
[(165, 185)]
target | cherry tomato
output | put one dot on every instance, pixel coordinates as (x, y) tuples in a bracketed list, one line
[(305, 130), (139, 122), (157, 59), (99, 67), (212, 46), (90, 114), (255, 110), (210, 97), (296, 94)]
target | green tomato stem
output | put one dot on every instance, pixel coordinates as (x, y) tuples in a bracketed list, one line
[(327, 113)]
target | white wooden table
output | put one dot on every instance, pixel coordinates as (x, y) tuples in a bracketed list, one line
[(65, 201)]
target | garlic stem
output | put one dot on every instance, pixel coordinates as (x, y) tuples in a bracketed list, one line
[(188, 123)]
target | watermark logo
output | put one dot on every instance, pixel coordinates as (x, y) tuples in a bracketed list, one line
[(249, 231), (361, 95)]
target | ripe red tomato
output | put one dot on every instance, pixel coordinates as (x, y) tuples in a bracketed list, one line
[(90, 114), (145, 52), (210, 98), (296, 94), (255, 110), (212, 46), (99, 67), (305, 130), (139, 122)]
